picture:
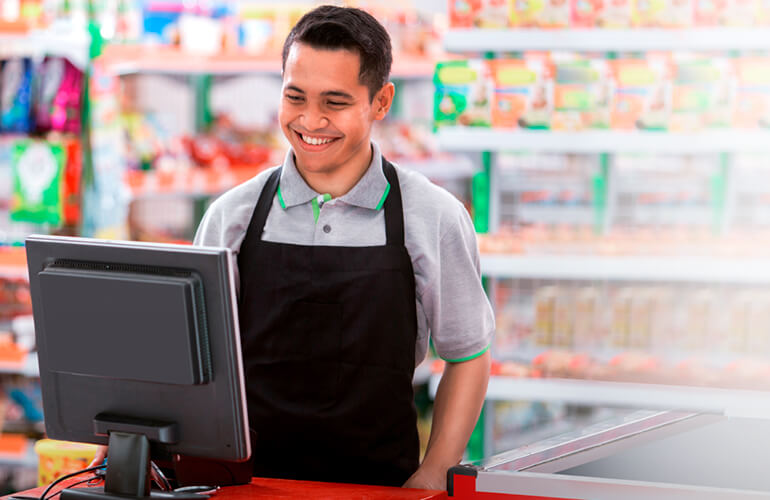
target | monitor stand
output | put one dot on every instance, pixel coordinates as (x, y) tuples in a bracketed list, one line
[(128, 467)]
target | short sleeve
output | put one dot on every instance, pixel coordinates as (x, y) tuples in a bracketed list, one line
[(456, 307)]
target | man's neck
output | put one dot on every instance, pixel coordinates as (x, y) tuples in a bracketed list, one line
[(339, 181)]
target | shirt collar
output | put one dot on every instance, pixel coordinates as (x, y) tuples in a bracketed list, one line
[(370, 191)]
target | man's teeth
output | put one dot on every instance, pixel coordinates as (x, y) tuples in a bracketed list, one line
[(316, 141)]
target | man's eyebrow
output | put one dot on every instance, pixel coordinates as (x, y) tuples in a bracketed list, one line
[(337, 93), (295, 89)]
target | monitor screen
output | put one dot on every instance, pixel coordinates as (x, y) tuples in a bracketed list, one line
[(139, 338)]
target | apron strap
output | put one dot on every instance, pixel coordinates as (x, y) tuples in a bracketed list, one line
[(394, 213), (261, 210)]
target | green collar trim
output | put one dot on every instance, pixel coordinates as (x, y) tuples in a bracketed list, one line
[(280, 198), (316, 206), (384, 197)]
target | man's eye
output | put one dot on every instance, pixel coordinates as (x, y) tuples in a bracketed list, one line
[(337, 103), (293, 98)]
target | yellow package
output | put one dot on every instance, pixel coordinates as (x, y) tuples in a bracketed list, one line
[(57, 458)]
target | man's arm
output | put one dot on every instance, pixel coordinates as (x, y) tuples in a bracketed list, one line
[(459, 399)]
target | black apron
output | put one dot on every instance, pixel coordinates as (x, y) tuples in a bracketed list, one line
[(328, 338)]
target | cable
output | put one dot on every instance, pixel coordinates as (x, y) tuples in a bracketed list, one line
[(70, 486), (74, 474)]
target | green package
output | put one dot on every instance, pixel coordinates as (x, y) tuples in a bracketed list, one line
[(37, 180)]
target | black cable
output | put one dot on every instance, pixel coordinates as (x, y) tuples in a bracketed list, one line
[(50, 486), (70, 486)]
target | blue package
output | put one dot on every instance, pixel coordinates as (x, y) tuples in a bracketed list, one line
[(16, 95)]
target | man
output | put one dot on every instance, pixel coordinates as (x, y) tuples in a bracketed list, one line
[(346, 264)]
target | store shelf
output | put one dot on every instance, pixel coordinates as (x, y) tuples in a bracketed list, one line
[(130, 59), (57, 40), (194, 182), (731, 402), (617, 40), (602, 141), (17, 451), (667, 269), (460, 167)]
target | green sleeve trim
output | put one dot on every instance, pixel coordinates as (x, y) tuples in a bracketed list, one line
[(280, 198), (384, 197), (468, 358), (316, 209)]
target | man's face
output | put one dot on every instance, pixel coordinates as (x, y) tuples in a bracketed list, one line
[(325, 111)]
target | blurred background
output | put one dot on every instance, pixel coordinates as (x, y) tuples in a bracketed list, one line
[(612, 153)]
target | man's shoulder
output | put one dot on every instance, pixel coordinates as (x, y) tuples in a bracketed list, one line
[(425, 203)]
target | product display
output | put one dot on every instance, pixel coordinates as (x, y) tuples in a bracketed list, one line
[(15, 95), (670, 14)]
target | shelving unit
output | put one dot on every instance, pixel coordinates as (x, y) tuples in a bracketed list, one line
[(57, 40), (750, 271), (130, 59), (603, 40), (460, 139), (602, 185), (731, 402)]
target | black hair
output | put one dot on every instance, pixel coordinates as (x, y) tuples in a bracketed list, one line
[(331, 27)]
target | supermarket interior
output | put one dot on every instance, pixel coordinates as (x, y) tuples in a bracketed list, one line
[(612, 156)]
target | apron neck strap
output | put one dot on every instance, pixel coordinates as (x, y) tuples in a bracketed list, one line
[(394, 214)]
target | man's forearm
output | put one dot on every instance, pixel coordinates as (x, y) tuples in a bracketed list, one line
[(459, 399)]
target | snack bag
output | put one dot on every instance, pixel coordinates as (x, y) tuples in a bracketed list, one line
[(37, 172), (525, 13), (710, 12), (555, 14), (493, 14), (752, 99), (582, 95), (642, 94), (462, 95), (742, 13), (679, 14), (649, 13), (522, 93), (585, 13), (15, 95), (462, 13), (700, 95), (58, 102), (615, 14)]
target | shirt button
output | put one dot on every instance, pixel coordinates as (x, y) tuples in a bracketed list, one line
[(327, 229)]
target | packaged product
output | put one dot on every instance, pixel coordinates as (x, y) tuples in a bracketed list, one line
[(585, 13), (701, 319), (562, 320), (763, 18), (545, 307), (640, 319), (582, 95), (758, 331), (664, 13), (493, 14), (642, 93), (462, 13), (526, 13), (463, 93), (737, 328), (702, 95), (522, 93), (555, 14), (620, 318), (752, 100), (742, 13), (37, 172), (710, 12), (586, 332), (59, 91), (15, 95), (615, 14)]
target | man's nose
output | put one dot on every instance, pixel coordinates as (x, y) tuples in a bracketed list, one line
[(314, 118)]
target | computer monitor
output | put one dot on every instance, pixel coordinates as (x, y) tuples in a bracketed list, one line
[(139, 347)]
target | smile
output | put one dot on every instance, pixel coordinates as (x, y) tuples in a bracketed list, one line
[(315, 141)]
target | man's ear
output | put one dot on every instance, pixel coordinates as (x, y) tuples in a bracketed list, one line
[(383, 100)]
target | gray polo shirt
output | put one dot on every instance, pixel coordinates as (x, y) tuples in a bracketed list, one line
[(452, 307)]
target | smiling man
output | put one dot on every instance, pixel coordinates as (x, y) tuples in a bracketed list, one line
[(347, 265)]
